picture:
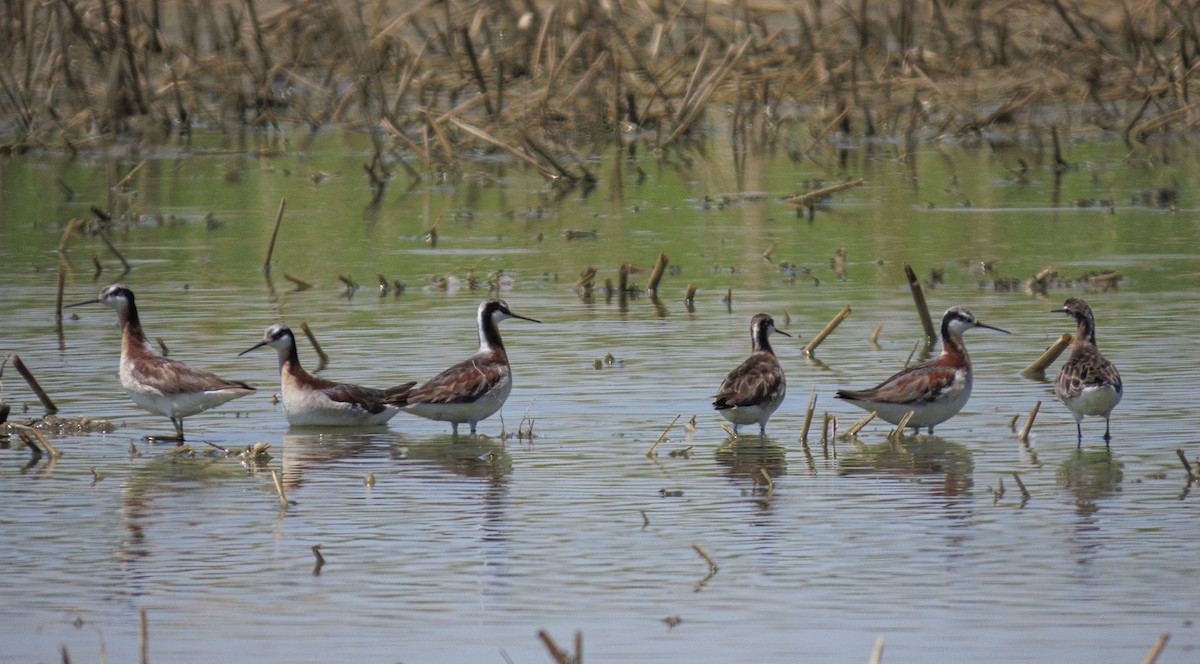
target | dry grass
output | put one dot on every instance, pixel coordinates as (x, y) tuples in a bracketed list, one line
[(435, 81)]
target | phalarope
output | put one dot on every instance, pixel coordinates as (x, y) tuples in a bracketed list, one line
[(754, 390), (158, 384), (471, 390), (1088, 383), (312, 401), (936, 390)]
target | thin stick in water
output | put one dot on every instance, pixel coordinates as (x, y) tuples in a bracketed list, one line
[(898, 432), (1039, 365), (58, 300), (313, 340), (877, 651), (316, 549), (827, 330), (118, 254), (808, 415), (33, 385), (301, 284), (1029, 422), (650, 452), (857, 426), (1155, 650), (279, 489), (656, 274), (143, 637), (274, 234), (919, 299)]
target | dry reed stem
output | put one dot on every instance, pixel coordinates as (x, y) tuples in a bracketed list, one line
[(690, 294), (656, 274), (129, 176), (1047, 358), (1192, 475), (58, 297), (922, 308), (556, 653), (274, 234), (767, 479), (143, 638), (650, 452), (279, 489), (1155, 650), (827, 330), (488, 138), (806, 198), (312, 339), (33, 385), (1029, 422), (877, 651), (857, 426), (873, 337), (301, 284), (808, 415), (898, 432)]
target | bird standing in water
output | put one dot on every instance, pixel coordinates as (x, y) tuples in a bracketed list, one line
[(158, 384), (935, 390), (471, 390), (312, 401), (1088, 383), (754, 390)]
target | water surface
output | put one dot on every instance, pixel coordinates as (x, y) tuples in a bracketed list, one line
[(463, 550)]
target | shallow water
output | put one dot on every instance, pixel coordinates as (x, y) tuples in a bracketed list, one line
[(463, 550)]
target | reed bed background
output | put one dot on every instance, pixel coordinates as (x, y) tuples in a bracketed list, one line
[(435, 80)]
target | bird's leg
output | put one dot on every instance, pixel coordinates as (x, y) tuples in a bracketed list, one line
[(454, 429), (473, 428), (1078, 433), (1107, 437)]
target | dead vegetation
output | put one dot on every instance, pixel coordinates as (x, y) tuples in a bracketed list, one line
[(435, 82)]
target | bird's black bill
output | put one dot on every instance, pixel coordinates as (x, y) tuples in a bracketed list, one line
[(779, 331), (254, 347), (80, 304), (992, 328), (531, 320)]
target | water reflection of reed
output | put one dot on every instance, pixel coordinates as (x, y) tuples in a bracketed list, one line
[(918, 456)]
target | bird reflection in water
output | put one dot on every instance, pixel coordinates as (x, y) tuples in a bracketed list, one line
[(479, 457), (314, 449), (921, 457), (1089, 476)]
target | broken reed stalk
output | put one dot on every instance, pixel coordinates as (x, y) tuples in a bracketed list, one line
[(1155, 650), (919, 299), (656, 274), (33, 385), (873, 337), (301, 284), (1025, 495), (129, 176), (143, 637), (274, 235), (877, 651), (767, 479), (898, 432), (1191, 474), (1039, 365), (808, 415), (556, 653), (279, 489), (58, 298), (690, 294), (828, 329), (316, 549), (1029, 422), (313, 340), (857, 426), (712, 566), (23, 430), (808, 197), (650, 452), (586, 278)]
